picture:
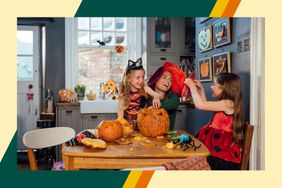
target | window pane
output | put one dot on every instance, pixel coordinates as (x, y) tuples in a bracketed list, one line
[(25, 68), (83, 38), (25, 42), (121, 39), (108, 38), (96, 23), (95, 36), (83, 23), (121, 24), (108, 24)]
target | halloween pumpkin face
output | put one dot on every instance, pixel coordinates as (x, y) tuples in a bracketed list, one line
[(110, 86), (110, 130), (64, 95), (153, 122)]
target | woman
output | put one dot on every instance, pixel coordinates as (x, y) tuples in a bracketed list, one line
[(168, 82)]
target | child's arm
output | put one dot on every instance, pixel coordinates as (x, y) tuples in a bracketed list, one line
[(151, 92), (156, 97), (120, 108), (200, 90), (222, 105)]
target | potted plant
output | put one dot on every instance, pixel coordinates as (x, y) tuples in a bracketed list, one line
[(80, 90)]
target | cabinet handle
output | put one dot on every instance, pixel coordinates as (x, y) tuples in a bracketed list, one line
[(68, 111), (163, 50), (94, 117), (178, 110), (163, 58)]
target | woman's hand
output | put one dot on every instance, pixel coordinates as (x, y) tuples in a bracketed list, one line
[(156, 102)]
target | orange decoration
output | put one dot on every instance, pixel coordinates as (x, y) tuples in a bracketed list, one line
[(119, 49), (110, 130), (153, 122), (64, 95), (204, 69)]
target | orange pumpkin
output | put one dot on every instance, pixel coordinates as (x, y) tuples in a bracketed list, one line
[(64, 95), (110, 130), (153, 122)]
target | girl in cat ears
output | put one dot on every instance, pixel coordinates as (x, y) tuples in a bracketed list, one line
[(132, 91)]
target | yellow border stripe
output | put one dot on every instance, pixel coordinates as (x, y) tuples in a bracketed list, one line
[(219, 8), (132, 179), (231, 8)]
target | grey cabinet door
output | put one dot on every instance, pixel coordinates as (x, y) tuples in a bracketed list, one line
[(181, 119), (91, 121), (158, 61), (185, 119), (163, 35), (69, 117)]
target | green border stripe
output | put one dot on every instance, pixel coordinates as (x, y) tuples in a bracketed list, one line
[(147, 8)]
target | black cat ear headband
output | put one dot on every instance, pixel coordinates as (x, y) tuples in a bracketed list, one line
[(135, 65)]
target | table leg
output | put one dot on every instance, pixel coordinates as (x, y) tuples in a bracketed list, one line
[(69, 162)]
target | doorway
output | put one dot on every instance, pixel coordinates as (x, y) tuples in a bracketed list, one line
[(28, 100)]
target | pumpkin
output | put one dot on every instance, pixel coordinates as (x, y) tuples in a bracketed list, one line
[(126, 126), (110, 130), (153, 122), (110, 87), (64, 95)]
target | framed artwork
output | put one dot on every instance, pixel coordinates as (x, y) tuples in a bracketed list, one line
[(221, 63), (203, 19), (205, 69), (205, 38), (221, 32)]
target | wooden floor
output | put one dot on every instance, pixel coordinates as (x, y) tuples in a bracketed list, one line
[(23, 163)]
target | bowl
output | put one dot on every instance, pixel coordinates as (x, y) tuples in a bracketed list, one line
[(91, 96)]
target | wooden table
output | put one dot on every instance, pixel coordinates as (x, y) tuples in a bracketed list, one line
[(134, 155)]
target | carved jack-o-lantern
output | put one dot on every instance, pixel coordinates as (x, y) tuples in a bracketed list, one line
[(64, 95), (153, 122), (110, 130), (110, 86)]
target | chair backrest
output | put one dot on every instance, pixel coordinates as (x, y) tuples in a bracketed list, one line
[(248, 135), (43, 138)]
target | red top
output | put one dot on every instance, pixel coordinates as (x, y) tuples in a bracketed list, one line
[(218, 138), (130, 114)]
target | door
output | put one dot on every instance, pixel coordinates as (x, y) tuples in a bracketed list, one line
[(28, 49)]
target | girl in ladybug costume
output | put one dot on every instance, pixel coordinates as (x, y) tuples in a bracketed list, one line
[(223, 136)]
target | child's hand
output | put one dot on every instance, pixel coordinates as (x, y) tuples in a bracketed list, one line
[(199, 85), (189, 82), (156, 102)]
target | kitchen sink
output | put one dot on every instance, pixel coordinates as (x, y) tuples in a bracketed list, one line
[(99, 106)]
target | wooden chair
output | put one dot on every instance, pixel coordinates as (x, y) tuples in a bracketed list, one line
[(249, 129), (43, 138)]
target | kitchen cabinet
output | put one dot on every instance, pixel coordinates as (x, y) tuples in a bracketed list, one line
[(91, 121), (69, 116), (187, 36), (184, 119), (169, 40), (163, 35)]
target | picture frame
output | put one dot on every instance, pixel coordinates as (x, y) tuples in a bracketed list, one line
[(205, 39), (222, 63), (221, 32), (205, 69), (203, 19)]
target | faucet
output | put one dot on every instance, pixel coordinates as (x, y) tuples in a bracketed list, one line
[(101, 92)]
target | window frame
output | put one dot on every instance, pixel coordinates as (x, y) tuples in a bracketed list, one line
[(71, 47)]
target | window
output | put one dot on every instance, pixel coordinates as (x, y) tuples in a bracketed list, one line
[(92, 58), (25, 55)]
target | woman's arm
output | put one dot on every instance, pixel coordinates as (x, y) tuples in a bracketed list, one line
[(222, 105), (120, 108)]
